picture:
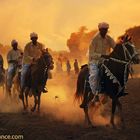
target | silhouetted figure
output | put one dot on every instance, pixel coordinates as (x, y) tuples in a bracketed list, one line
[(59, 65), (68, 67), (76, 66)]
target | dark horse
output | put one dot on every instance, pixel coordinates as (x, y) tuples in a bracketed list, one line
[(34, 81), (114, 72)]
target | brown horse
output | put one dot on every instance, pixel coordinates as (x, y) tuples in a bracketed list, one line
[(34, 80), (115, 71)]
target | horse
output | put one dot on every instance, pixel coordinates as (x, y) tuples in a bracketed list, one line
[(34, 80), (114, 72), (13, 92), (16, 84)]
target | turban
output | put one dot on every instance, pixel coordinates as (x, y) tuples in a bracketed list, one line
[(103, 25), (13, 42), (33, 35)]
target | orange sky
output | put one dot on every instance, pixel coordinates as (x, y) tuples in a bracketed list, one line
[(54, 20)]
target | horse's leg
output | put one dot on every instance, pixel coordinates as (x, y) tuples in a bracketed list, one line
[(121, 114), (21, 96), (87, 119), (26, 97), (39, 97), (114, 103), (35, 103), (3, 88)]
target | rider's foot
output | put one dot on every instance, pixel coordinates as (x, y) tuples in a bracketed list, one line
[(45, 90), (83, 105)]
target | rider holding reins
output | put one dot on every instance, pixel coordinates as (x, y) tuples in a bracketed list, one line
[(32, 51), (13, 59), (100, 45)]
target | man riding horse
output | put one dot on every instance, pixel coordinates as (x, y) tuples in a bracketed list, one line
[(33, 50), (13, 60), (37, 61), (100, 45), (114, 72)]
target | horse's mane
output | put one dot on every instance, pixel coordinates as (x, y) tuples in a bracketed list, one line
[(117, 52), (83, 66)]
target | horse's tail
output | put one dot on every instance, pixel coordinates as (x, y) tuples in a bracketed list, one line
[(81, 83)]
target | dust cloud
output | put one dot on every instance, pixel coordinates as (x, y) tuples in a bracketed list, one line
[(58, 102)]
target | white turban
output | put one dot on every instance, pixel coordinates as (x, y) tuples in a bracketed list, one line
[(103, 25), (33, 35), (13, 42)]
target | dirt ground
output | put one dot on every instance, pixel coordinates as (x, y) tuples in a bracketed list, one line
[(62, 119)]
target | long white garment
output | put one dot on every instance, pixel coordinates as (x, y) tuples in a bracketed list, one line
[(99, 46), (93, 78)]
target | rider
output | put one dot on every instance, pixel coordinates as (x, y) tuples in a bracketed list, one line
[(48, 73), (68, 67), (32, 51), (100, 45), (76, 66), (12, 58)]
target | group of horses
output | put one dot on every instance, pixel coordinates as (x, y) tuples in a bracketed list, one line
[(33, 85), (115, 70)]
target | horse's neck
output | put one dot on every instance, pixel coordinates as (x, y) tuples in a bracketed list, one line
[(117, 68), (118, 52)]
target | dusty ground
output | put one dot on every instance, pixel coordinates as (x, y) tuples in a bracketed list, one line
[(61, 119)]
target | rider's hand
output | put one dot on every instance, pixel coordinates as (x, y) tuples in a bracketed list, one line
[(13, 61), (105, 56)]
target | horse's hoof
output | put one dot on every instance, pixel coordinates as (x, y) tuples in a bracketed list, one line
[(114, 126), (24, 112), (89, 126), (32, 109), (111, 126), (93, 126)]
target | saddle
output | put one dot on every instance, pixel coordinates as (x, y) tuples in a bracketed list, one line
[(101, 79)]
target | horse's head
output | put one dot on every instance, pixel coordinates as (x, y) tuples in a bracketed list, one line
[(47, 59), (129, 49)]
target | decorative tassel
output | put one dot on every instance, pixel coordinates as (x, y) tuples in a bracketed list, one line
[(111, 77), (114, 81), (108, 74), (106, 71)]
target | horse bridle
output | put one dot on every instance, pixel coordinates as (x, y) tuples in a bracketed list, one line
[(46, 66), (126, 52)]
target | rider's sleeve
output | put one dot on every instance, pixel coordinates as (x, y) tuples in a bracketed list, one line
[(9, 56), (27, 57), (93, 54), (112, 42), (41, 46)]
